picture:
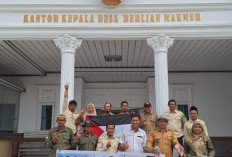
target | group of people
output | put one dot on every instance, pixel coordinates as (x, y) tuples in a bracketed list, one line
[(148, 132)]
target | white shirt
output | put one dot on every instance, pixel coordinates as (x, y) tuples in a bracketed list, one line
[(135, 139)]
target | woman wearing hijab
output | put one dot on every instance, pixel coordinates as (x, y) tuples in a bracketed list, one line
[(198, 143), (90, 111)]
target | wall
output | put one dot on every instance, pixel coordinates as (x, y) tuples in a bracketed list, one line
[(100, 93), (29, 99), (6, 148), (211, 93)]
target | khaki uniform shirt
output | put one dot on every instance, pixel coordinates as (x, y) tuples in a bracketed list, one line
[(86, 143), (174, 122), (101, 146), (124, 113), (109, 114), (66, 138), (151, 120), (165, 141), (188, 126), (70, 117)]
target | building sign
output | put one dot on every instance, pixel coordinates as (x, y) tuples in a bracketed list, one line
[(137, 19), (130, 18)]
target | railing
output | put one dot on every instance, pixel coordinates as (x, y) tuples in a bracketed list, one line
[(32, 147), (223, 146), (33, 143)]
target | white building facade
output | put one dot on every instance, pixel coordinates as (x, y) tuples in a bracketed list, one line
[(167, 50)]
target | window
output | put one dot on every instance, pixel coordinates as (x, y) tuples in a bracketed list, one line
[(9, 107), (184, 108), (46, 117), (7, 114), (48, 107), (137, 110)]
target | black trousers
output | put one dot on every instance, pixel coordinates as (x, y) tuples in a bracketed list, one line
[(180, 140)]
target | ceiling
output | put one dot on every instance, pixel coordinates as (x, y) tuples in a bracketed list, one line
[(29, 58)]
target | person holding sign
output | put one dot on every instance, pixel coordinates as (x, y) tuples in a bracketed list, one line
[(89, 111), (163, 140), (108, 108)]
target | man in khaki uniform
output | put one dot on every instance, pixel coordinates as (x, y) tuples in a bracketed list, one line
[(193, 112), (108, 108), (69, 109), (59, 138), (175, 118), (163, 139), (124, 107), (87, 140), (148, 119), (108, 143)]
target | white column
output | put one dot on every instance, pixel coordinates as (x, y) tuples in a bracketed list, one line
[(79, 89), (160, 45), (68, 46), (151, 92)]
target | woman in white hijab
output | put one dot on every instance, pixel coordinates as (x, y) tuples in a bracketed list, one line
[(90, 111)]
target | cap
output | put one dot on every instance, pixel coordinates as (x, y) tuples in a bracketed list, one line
[(61, 116), (162, 117), (87, 123), (147, 104)]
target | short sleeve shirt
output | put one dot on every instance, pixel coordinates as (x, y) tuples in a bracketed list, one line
[(164, 140), (174, 122), (101, 146), (135, 139), (151, 120), (70, 117), (86, 143)]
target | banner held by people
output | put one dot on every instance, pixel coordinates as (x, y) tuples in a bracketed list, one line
[(121, 122)]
